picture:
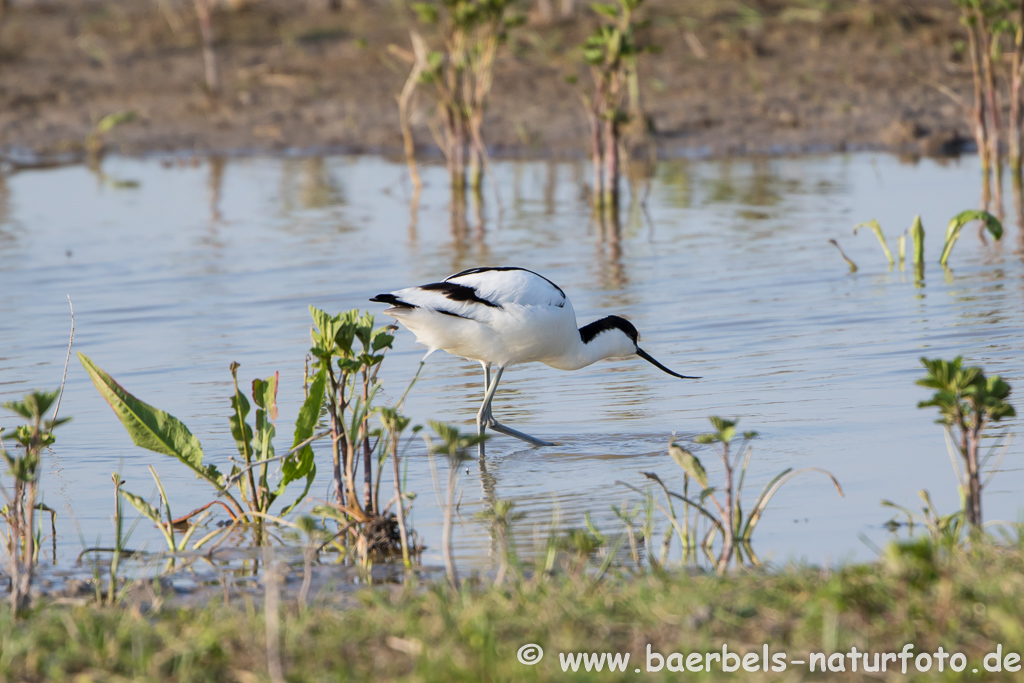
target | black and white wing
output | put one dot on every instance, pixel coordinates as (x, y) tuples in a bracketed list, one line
[(510, 286)]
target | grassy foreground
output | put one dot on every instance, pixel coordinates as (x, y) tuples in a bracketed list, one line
[(969, 603)]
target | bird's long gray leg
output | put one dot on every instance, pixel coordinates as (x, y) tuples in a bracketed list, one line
[(484, 413), (497, 426)]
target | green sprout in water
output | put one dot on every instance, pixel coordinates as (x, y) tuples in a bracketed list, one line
[(877, 229), (917, 237), (727, 517), (944, 531), (611, 52), (462, 74), (958, 221), (990, 223)]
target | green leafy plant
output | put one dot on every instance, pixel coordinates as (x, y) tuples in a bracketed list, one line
[(349, 374), (23, 466), (944, 531), (727, 516), (611, 53), (347, 352), (161, 432), (461, 73), (995, 46), (968, 403)]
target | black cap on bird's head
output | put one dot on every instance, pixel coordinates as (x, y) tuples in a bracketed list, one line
[(614, 322), (611, 322)]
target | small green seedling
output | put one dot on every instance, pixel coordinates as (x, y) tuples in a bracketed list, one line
[(877, 229), (958, 221)]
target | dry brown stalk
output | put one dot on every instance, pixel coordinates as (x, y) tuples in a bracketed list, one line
[(209, 55)]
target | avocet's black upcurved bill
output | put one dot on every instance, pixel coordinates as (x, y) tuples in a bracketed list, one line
[(650, 359)]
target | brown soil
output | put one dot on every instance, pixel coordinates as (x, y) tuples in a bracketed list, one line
[(762, 76)]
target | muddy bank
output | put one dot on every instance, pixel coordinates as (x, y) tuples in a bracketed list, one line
[(730, 78)]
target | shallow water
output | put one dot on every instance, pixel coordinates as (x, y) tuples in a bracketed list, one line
[(177, 269)]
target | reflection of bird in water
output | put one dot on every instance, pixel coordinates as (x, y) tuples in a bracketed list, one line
[(504, 316)]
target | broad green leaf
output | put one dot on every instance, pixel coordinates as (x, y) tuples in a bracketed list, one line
[(140, 504), (243, 483), (690, 464), (382, 339), (963, 218), (19, 407), (264, 392), (720, 424), (151, 428), (392, 421), (302, 464), (364, 329), (33, 405), (324, 332), (454, 445)]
